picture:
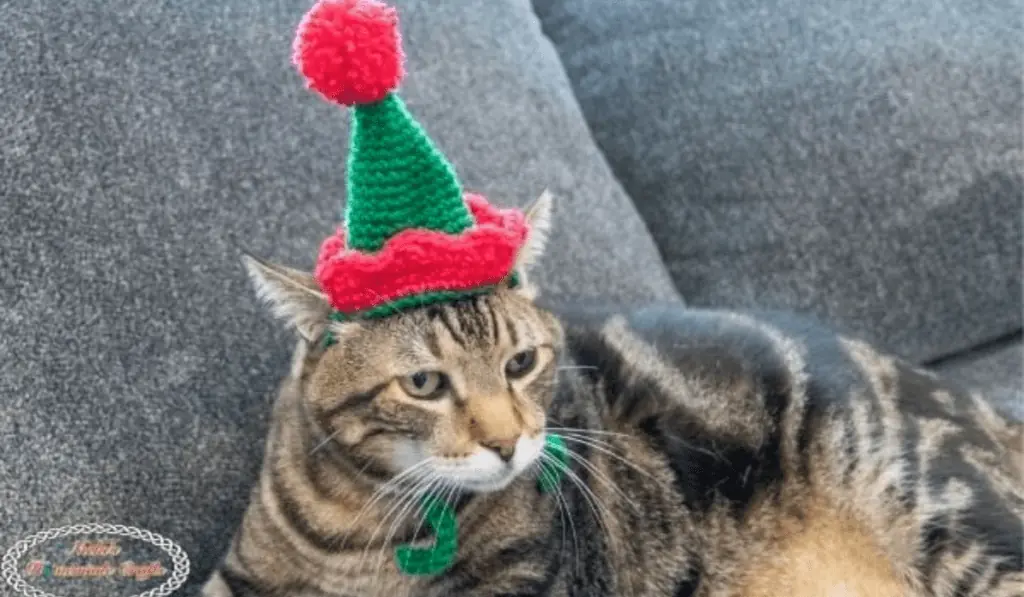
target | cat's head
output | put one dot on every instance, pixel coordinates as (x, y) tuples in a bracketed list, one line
[(457, 390)]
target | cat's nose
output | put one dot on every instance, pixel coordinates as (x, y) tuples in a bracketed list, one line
[(504, 448)]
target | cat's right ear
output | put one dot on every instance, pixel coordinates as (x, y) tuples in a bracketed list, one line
[(293, 296), (538, 217)]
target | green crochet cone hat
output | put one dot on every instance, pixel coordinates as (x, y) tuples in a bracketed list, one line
[(397, 179), (411, 235)]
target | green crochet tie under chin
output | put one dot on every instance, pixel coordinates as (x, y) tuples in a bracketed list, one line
[(419, 561)]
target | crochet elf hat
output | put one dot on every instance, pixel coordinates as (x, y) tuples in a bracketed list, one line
[(411, 235)]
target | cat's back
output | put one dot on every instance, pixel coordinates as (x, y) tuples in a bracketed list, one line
[(724, 347), (838, 457), (771, 359)]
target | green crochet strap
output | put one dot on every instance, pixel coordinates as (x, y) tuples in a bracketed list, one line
[(440, 516), (417, 561), (552, 468)]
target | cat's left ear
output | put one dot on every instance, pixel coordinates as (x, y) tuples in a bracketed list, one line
[(294, 296), (538, 218)]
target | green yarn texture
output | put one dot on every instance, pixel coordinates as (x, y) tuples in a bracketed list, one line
[(397, 179), (439, 557), (553, 464), (440, 516)]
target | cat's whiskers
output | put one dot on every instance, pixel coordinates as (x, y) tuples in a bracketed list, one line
[(446, 493), (401, 501), (564, 515), (601, 477), (398, 506), (586, 436), (394, 504), (608, 450), (326, 441), (593, 502), (579, 482), (582, 435), (582, 431), (419, 525), (383, 490), (412, 506), (550, 479)]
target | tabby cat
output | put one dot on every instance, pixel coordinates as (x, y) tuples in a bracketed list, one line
[(712, 454)]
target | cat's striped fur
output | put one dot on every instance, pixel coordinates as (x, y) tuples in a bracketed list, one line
[(716, 455)]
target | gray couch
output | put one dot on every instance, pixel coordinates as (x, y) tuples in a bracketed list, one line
[(856, 162)]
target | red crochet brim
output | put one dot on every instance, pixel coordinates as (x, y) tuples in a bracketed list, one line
[(419, 261)]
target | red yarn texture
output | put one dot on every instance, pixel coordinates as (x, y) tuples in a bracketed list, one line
[(350, 51), (416, 261)]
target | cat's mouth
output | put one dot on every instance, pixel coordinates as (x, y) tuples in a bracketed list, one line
[(483, 471), (489, 486)]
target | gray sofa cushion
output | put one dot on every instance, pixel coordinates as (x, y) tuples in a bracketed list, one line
[(143, 144), (997, 371), (860, 161)]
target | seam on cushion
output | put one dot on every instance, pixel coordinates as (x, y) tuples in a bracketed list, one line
[(621, 40), (978, 351)]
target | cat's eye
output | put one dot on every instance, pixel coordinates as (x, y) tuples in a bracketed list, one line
[(424, 384), (521, 363)]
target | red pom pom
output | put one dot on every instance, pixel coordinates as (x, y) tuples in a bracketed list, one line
[(350, 51)]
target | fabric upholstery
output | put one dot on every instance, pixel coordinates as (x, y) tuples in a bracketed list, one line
[(858, 161), (145, 146)]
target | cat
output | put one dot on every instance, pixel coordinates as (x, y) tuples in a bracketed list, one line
[(708, 454)]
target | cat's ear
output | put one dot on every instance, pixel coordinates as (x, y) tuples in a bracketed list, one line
[(293, 296), (538, 218)]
